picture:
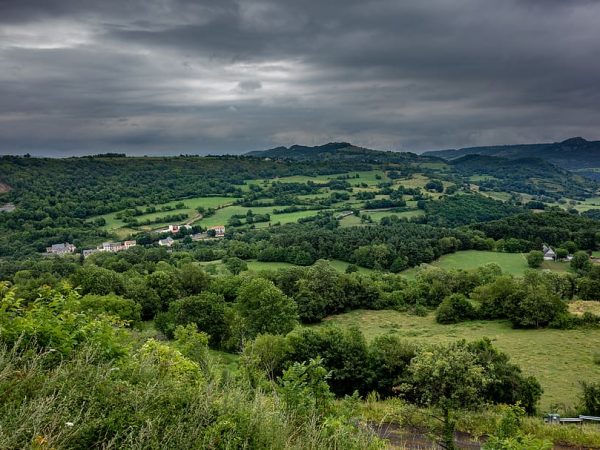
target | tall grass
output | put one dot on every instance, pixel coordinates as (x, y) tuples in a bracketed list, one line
[(85, 402)]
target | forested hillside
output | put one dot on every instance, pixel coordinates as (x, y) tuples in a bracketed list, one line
[(573, 153)]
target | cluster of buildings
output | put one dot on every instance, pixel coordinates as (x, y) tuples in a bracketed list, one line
[(211, 232), (174, 229), (113, 247), (61, 249), (66, 248)]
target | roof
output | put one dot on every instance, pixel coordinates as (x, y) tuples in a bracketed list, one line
[(63, 246)]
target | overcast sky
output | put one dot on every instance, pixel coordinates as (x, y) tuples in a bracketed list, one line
[(189, 76)]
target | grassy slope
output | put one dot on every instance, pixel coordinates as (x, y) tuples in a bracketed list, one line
[(513, 263), (190, 203), (559, 359), (256, 266)]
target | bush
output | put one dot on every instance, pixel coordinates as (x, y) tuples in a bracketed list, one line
[(455, 308), (535, 258), (590, 398), (113, 305)]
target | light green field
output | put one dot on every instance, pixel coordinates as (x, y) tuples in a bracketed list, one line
[(589, 203), (191, 204), (559, 359), (369, 177), (221, 216), (291, 217), (350, 221), (257, 266), (378, 215), (504, 196), (513, 263)]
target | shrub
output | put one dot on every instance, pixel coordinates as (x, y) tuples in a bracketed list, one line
[(535, 258), (111, 304), (590, 398), (455, 308)]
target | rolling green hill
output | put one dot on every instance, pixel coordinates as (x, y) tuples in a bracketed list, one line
[(340, 150)]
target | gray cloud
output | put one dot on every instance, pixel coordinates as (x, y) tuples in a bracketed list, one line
[(172, 76)]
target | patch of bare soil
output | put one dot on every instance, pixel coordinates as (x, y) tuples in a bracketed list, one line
[(4, 187)]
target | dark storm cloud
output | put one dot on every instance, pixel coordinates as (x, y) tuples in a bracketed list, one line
[(172, 76)]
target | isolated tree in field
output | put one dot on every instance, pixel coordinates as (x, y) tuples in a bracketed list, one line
[(581, 262), (265, 309), (535, 258), (447, 378)]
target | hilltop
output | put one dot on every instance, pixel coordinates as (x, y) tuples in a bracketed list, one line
[(573, 153), (339, 150)]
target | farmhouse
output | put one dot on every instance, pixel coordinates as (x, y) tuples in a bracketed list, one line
[(549, 254), (168, 242), (116, 246), (219, 230), (113, 247), (174, 229), (60, 249), (7, 207)]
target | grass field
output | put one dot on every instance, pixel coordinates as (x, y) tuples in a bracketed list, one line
[(221, 216), (559, 359), (257, 266), (588, 203), (368, 177), (503, 196), (191, 204), (378, 215), (513, 263)]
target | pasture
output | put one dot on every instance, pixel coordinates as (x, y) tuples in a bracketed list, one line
[(112, 223), (257, 266), (378, 215), (559, 359), (513, 263), (370, 177)]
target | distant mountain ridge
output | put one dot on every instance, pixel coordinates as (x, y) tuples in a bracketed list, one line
[(573, 153), (338, 150)]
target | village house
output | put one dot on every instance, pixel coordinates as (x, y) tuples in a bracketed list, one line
[(219, 230), (110, 247), (61, 249), (174, 229), (549, 253), (116, 246), (168, 242)]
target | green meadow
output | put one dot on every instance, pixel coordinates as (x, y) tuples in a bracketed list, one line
[(559, 359), (191, 204), (257, 266), (513, 263), (378, 215)]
